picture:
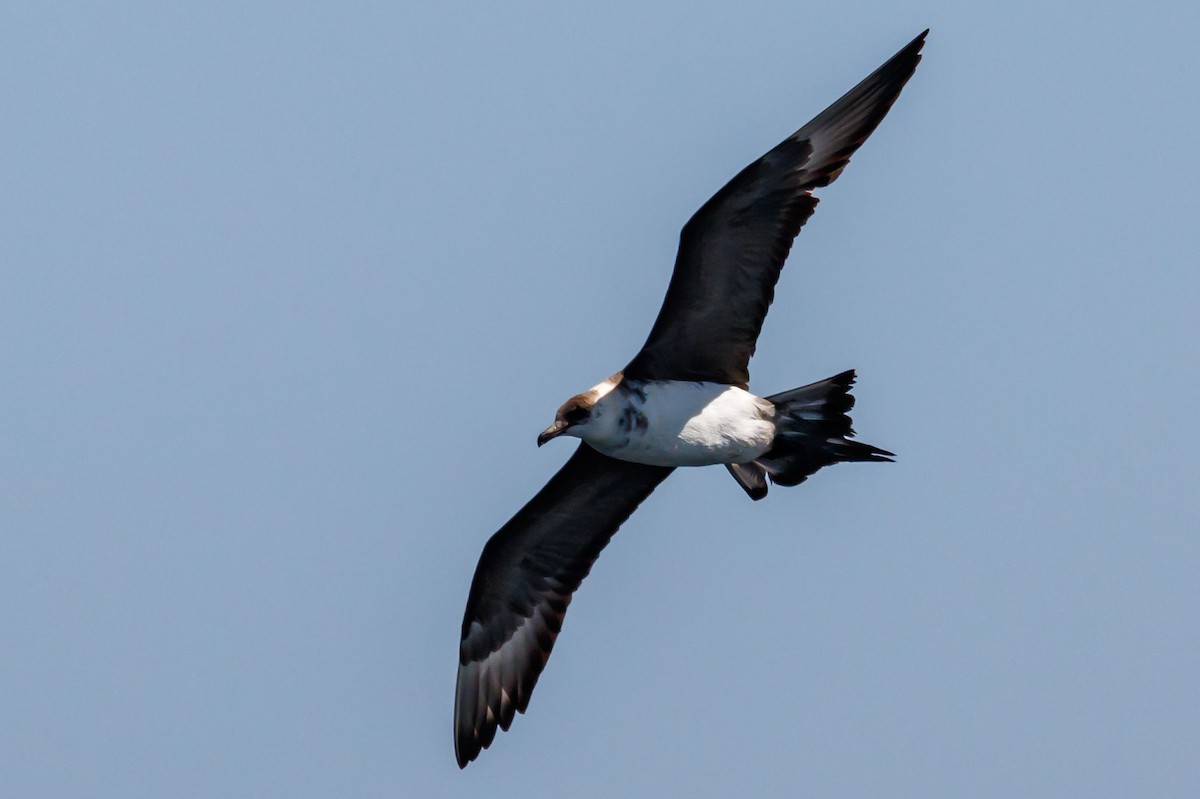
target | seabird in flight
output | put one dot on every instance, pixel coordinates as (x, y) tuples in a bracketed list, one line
[(681, 401)]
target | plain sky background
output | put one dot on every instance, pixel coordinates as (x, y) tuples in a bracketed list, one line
[(286, 293)]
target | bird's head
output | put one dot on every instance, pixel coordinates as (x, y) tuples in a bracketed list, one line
[(576, 414)]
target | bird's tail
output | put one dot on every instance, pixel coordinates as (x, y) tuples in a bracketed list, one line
[(813, 431)]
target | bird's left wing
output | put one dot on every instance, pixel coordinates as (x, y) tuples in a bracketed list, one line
[(524, 582), (732, 250)]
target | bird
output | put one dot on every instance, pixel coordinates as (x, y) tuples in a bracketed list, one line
[(683, 400)]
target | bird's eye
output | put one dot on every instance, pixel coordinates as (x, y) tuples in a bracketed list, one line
[(575, 415)]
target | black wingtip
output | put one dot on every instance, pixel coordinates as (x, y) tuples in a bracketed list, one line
[(906, 58), (912, 50), (459, 755), (466, 745), (916, 43), (909, 53)]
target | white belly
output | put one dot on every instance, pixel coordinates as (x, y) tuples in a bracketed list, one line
[(673, 423)]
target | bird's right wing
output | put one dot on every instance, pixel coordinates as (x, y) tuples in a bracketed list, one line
[(523, 584)]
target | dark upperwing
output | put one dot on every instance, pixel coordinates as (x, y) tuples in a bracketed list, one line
[(732, 250), (524, 582), (730, 255)]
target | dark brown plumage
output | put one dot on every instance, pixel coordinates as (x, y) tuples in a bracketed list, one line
[(730, 256)]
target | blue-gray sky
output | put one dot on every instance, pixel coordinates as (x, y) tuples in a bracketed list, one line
[(286, 294)]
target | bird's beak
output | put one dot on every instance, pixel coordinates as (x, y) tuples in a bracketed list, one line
[(553, 431)]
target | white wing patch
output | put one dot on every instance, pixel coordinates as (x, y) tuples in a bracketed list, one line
[(493, 689)]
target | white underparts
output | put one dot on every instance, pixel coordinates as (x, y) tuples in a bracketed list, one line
[(675, 423)]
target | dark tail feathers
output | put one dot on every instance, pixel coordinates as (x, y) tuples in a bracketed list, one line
[(814, 431)]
